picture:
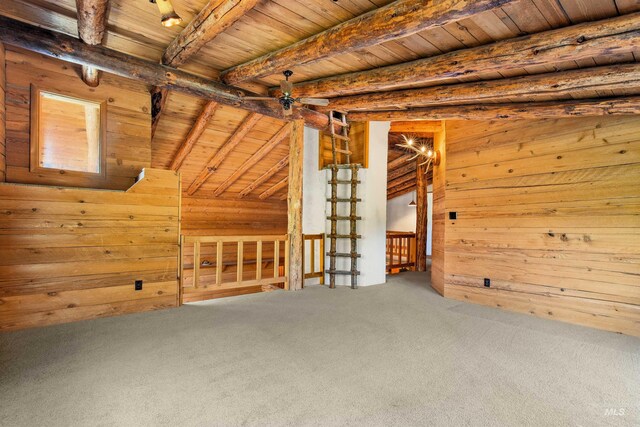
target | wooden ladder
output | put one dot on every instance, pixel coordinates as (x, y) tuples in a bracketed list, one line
[(339, 118)]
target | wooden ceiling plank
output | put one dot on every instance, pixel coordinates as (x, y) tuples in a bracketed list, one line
[(532, 87), (620, 35), (212, 20), (402, 160), (196, 131), (409, 167), (212, 165), (402, 192), (274, 188), (92, 26), (554, 109), (396, 20), (70, 49), (265, 176), (254, 159)]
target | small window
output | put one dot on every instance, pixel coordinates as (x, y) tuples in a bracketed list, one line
[(67, 134)]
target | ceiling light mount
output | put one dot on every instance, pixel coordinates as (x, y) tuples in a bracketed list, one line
[(169, 16)]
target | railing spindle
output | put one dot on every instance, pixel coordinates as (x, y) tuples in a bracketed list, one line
[(196, 264), (259, 260)]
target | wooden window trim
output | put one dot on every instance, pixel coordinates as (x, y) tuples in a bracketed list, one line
[(35, 140)]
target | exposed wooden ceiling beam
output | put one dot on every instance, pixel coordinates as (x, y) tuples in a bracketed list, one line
[(196, 131), (401, 192), (92, 26), (609, 37), (421, 126), (622, 106), (401, 187), (567, 83), (214, 18), (402, 160), (265, 176), (409, 167), (212, 165), (70, 49), (398, 19), (401, 180), (274, 188), (254, 159)]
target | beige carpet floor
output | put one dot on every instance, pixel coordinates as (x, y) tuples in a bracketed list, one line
[(393, 354)]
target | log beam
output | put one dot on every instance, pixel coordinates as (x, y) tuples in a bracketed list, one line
[(421, 215), (196, 131), (92, 26), (539, 110), (567, 83), (70, 49), (399, 193), (615, 36), (398, 19), (214, 18), (265, 176), (409, 168), (294, 207), (402, 160), (254, 159), (222, 153), (274, 188)]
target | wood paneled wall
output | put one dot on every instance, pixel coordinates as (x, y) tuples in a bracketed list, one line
[(549, 210), (210, 216), (68, 254), (207, 216), (3, 116), (128, 120)]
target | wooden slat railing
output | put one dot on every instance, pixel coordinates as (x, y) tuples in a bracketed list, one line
[(401, 250), (310, 248), (224, 260)]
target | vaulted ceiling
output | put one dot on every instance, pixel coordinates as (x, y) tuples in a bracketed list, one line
[(269, 25)]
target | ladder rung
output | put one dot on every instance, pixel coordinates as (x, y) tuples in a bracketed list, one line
[(344, 218), (345, 200), (342, 181), (344, 166), (339, 150), (343, 236), (343, 272), (344, 138), (344, 255), (340, 123)]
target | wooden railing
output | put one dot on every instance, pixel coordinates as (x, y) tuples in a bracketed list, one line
[(310, 248), (401, 250), (216, 244)]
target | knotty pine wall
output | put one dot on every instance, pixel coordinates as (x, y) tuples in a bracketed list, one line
[(230, 216), (3, 165), (128, 119), (70, 254), (549, 210)]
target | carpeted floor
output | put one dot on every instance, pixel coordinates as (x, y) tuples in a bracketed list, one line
[(394, 354)]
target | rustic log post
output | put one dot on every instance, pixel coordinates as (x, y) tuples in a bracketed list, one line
[(294, 205), (421, 215)]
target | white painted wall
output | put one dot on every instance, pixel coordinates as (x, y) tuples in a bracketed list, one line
[(402, 217), (372, 209)]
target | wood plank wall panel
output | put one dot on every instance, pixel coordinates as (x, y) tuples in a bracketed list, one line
[(3, 116), (229, 217), (69, 254), (549, 210), (128, 120)]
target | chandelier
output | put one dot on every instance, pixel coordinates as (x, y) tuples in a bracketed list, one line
[(421, 148)]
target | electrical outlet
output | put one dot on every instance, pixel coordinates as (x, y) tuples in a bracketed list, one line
[(487, 283), (138, 285), (453, 216)]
